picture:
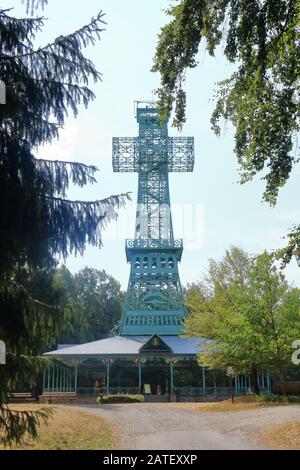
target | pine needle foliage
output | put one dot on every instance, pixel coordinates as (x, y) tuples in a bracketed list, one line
[(38, 223)]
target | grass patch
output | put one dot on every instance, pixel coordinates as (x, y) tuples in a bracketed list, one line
[(68, 429), (106, 399), (283, 437), (240, 404), (278, 398)]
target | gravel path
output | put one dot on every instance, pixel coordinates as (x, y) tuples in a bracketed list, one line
[(173, 426)]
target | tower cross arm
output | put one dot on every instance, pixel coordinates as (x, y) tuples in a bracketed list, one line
[(181, 154), (125, 154), (130, 152)]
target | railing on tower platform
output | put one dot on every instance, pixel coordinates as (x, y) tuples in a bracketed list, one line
[(153, 244)]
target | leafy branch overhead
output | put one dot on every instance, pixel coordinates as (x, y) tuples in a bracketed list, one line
[(261, 98), (38, 223)]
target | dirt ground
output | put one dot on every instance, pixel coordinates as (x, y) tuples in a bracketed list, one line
[(172, 426), (68, 428)]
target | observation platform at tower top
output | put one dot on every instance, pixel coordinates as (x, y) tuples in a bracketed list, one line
[(141, 106)]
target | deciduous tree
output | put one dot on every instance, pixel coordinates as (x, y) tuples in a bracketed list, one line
[(250, 320), (261, 98), (95, 299)]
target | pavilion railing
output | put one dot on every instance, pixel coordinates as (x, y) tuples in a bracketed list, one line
[(124, 390), (217, 391), (92, 391), (111, 391), (181, 391), (87, 391), (59, 390)]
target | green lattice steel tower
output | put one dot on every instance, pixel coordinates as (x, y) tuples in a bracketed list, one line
[(153, 302)]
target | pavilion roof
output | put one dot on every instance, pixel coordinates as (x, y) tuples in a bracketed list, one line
[(127, 345)]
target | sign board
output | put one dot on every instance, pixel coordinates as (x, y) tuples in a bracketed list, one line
[(2, 353), (2, 92), (230, 371), (147, 389)]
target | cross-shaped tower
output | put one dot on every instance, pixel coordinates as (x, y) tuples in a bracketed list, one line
[(154, 303)]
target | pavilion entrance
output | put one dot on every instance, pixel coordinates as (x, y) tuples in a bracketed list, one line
[(156, 373)]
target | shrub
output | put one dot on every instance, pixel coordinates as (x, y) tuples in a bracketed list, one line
[(108, 399), (278, 398)]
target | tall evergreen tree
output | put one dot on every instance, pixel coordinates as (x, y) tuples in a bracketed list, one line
[(37, 221), (261, 38)]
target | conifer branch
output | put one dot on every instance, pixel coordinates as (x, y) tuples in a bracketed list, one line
[(37, 221), (59, 174), (81, 38), (34, 4), (15, 424)]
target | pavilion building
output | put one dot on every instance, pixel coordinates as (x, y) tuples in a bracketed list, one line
[(150, 350)]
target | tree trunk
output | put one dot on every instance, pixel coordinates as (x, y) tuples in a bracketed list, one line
[(255, 383), (282, 383)]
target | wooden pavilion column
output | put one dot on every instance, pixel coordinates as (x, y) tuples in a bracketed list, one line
[(171, 361), (48, 379), (76, 376), (107, 376), (57, 378), (140, 375), (52, 382), (203, 380), (171, 377), (60, 378)]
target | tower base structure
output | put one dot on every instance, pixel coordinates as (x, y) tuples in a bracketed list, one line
[(153, 302)]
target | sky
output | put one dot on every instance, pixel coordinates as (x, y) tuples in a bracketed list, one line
[(211, 210)]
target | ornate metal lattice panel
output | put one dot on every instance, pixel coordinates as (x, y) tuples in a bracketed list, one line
[(133, 154)]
